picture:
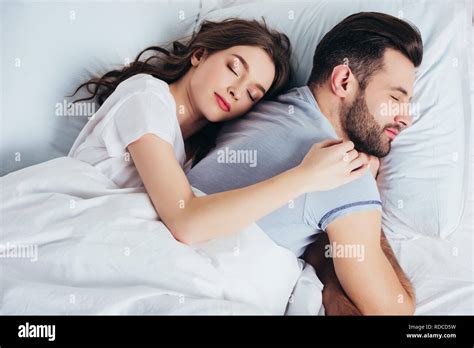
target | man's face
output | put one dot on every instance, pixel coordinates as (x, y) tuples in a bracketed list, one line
[(381, 111)]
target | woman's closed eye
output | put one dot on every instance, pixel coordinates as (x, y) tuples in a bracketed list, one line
[(250, 96), (248, 92), (232, 69)]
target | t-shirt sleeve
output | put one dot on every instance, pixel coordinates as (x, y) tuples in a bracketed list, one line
[(135, 115), (322, 208)]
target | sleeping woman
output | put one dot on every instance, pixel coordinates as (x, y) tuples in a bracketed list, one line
[(160, 116)]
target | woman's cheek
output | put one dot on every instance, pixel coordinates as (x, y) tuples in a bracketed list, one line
[(216, 77)]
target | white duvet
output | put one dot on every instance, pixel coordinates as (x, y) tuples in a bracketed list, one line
[(72, 242)]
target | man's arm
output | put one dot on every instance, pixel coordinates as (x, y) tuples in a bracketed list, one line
[(335, 299), (391, 293)]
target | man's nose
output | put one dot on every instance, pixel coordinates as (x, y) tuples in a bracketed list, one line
[(404, 121)]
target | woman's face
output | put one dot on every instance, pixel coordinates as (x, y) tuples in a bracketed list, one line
[(228, 83)]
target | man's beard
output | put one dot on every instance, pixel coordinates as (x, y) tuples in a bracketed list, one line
[(362, 129)]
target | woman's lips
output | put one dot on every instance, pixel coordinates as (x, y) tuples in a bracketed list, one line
[(222, 102), (391, 133)]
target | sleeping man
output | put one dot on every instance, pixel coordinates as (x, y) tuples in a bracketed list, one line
[(363, 64)]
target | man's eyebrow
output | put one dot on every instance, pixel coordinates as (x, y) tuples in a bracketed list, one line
[(246, 66), (401, 90)]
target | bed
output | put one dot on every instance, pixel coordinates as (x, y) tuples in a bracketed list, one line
[(432, 236)]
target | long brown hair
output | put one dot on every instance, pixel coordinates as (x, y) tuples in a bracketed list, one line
[(171, 65)]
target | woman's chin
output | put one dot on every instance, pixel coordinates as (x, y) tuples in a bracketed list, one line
[(214, 117)]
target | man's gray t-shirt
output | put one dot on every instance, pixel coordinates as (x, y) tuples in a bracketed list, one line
[(273, 137)]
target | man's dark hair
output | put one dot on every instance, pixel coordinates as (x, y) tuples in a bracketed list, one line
[(360, 41)]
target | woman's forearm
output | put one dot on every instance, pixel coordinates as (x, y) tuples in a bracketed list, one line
[(211, 216), (194, 219)]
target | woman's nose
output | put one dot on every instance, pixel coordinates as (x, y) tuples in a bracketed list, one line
[(235, 94)]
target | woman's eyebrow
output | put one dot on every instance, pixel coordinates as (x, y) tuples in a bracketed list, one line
[(246, 66), (243, 61)]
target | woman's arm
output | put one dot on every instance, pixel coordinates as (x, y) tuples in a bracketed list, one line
[(194, 219)]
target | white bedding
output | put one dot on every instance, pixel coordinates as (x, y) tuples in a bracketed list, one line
[(102, 250), (441, 271)]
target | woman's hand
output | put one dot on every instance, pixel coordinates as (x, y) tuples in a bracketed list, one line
[(332, 163)]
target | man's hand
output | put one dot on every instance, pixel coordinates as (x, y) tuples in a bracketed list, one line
[(336, 301)]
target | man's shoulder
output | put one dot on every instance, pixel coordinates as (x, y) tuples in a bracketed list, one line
[(322, 208), (300, 96)]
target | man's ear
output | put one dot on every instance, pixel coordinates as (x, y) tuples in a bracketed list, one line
[(198, 56), (342, 81)]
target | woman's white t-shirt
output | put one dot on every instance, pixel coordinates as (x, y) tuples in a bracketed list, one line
[(139, 105)]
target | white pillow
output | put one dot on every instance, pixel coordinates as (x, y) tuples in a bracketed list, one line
[(49, 48), (424, 178)]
